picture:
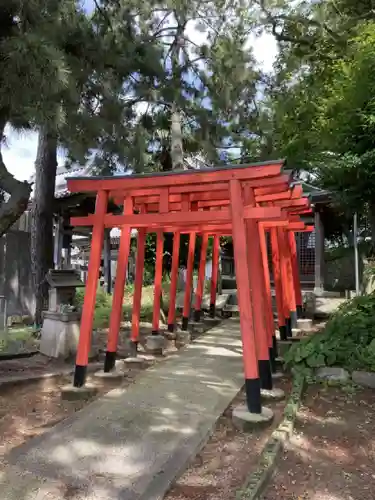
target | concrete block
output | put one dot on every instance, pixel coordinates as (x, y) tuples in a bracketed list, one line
[(197, 326), (135, 362), (296, 332), (60, 334), (274, 394), (155, 344), (110, 376), (211, 322), (305, 325), (309, 304), (183, 337), (333, 373), (71, 393), (366, 379), (246, 421)]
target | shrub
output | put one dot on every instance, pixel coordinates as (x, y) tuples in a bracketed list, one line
[(348, 340)]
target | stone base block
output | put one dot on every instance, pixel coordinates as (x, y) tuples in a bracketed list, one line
[(246, 421), (135, 361), (296, 332), (59, 336), (155, 344), (183, 337), (71, 393), (305, 324), (366, 379), (197, 326), (277, 375), (333, 373), (112, 375), (274, 394), (211, 322)]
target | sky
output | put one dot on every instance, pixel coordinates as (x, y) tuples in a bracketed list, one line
[(19, 152)]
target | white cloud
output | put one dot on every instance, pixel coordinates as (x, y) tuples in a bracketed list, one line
[(19, 153)]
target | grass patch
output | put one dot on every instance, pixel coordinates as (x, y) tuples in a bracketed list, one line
[(19, 334)]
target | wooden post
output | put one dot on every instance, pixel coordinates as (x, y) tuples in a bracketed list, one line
[(201, 278), (284, 281), (174, 279), (252, 382), (296, 279), (319, 252), (84, 343), (268, 299), (289, 304), (189, 281), (137, 298), (118, 293), (157, 281), (276, 264), (257, 285), (214, 274), (107, 260), (58, 240)]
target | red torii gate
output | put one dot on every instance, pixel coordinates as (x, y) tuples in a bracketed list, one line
[(242, 201)]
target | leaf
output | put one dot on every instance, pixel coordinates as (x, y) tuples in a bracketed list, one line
[(315, 360)]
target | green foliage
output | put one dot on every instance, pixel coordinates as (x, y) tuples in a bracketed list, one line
[(348, 340), (103, 305)]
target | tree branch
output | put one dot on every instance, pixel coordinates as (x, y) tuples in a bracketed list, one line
[(11, 210)]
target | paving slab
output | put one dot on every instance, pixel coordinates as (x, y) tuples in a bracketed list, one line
[(133, 442)]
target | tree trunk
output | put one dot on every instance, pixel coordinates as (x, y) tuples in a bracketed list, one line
[(371, 219), (176, 139), (19, 191), (42, 220)]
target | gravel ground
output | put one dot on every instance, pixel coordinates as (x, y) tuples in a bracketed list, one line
[(331, 454), (221, 468)]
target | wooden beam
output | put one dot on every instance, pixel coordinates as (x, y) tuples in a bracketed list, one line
[(157, 221), (127, 182)]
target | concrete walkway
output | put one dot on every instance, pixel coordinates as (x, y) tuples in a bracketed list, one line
[(133, 442)]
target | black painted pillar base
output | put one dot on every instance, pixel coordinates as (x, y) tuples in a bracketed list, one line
[(282, 330), (155, 332), (133, 347), (299, 312), (171, 328), (197, 316), (185, 322), (265, 374), (274, 347), (288, 324), (253, 397), (79, 376), (212, 310), (272, 360), (109, 361)]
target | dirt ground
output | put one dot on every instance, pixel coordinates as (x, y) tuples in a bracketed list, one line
[(227, 459), (31, 409), (331, 455)]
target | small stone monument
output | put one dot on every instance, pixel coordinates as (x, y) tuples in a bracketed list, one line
[(60, 331)]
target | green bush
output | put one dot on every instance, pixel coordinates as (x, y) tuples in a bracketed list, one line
[(348, 340), (103, 305)]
